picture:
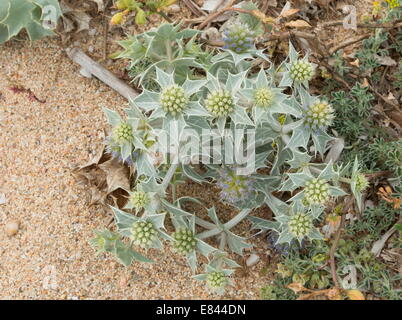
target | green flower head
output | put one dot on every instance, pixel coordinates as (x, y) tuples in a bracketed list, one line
[(184, 240), (301, 70), (219, 103), (263, 97), (316, 191), (139, 199), (123, 133), (143, 233), (216, 279), (300, 225), (361, 182), (173, 99), (318, 115)]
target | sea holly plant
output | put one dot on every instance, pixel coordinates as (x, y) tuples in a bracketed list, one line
[(239, 131), (38, 17)]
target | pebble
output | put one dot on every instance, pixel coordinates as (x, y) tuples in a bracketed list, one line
[(12, 228), (252, 260)]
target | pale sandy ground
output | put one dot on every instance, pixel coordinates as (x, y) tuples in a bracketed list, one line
[(40, 143)]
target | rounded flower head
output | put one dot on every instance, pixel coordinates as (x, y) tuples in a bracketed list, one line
[(319, 115), (123, 133), (316, 191), (263, 97), (235, 189), (216, 279), (114, 149), (143, 233), (219, 103), (173, 99), (301, 70), (139, 199), (238, 38), (361, 182), (184, 240), (300, 225)]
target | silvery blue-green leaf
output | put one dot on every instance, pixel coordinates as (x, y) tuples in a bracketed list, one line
[(175, 210), (299, 179), (192, 260), (192, 86), (196, 109), (204, 248), (163, 78), (147, 100), (126, 150), (293, 55), (113, 117), (201, 277), (259, 115), (261, 80), (220, 123), (239, 116), (145, 166), (321, 139), (126, 255), (284, 237), (234, 81), (133, 111), (214, 217), (236, 243), (157, 113), (267, 184), (284, 108), (158, 220), (152, 186), (263, 224), (297, 197), (300, 138), (299, 159), (286, 80), (192, 174), (186, 62), (328, 173), (316, 211), (277, 206), (336, 192), (123, 219), (288, 185), (187, 33), (315, 234)]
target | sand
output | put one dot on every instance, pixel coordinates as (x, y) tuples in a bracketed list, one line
[(40, 143)]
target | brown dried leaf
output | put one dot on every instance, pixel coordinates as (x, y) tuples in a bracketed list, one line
[(289, 12), (355, 294), (298, 24), (334, 294), (117, 175), (296, 287)]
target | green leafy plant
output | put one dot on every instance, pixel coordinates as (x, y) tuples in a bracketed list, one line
[(37, 17), (196, 95)]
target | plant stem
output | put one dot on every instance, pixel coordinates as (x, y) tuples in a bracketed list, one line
[(169, 175), (227, 226)]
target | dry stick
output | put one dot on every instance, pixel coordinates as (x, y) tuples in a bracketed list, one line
[(214, 15), (78, 56), (194, 8), (348, 43), (363, 25), (336, 241)]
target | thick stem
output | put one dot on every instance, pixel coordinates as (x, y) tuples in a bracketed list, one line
[(169, 175), (203, 223), (227, 226)]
